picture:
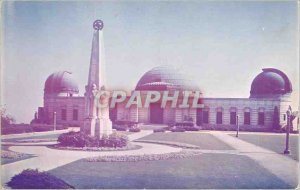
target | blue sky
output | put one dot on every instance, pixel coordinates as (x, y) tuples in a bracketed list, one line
[(222, 45)]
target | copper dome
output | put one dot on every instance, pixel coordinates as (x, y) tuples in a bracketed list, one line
[(165, 78), (269, 83), (61, 82)]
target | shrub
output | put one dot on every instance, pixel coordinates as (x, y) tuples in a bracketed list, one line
[(188, 128), (187, 123), (116, 140), (33, 179), (74, 139), (171, 124), (125, 123), (232, 128), (78, 139), (207, 127), (278, 130)]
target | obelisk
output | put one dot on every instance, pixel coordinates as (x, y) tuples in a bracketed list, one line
[(96, 122)]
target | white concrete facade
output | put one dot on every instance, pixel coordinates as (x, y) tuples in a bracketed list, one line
[(254, 106), (171, 115)]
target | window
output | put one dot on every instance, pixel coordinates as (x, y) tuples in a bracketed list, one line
[(284, 117), (75, 114), (261, 118), (205, 117), (219, 117), (63, 114), (233, 118), (199, 118), (247, 118)]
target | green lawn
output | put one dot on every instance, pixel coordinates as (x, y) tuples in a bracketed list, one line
[(204, 171), (203, 140), (274, 142)]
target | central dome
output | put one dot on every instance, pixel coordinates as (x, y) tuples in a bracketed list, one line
[(61, 82), (165, 78)]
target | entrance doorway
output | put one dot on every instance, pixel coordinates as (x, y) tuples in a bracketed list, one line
[(156, 113)]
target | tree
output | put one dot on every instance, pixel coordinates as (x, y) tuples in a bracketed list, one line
[(6, 119), (276, 124)]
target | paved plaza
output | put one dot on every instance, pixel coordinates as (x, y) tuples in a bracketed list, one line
[(225, 162)]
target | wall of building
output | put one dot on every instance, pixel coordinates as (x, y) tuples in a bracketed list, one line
[(241, 105), (224, 105), (171, 115), (58, 104)]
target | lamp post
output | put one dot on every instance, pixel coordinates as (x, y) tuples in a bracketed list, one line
[(288, 114), (238, 126), (54, 121)]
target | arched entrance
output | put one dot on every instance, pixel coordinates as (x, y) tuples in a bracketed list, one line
[(156, 113)]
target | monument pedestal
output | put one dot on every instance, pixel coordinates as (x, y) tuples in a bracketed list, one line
[(97, 126), (89, 124), (105, 126)]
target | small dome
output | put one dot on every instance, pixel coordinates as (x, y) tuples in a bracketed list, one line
[(61, 82), (269, 83), (165, 78)]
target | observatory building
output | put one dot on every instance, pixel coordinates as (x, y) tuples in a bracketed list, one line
[(269, 99)]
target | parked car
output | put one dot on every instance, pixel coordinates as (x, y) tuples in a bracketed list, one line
[(177, 129), (193, 128), (134, 129), (159, 130)]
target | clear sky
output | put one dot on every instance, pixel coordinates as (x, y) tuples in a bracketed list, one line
[(223, 45)]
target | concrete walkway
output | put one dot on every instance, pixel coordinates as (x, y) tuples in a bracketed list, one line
[(34, 134), (141, 134), (283, 167), (47, 158)]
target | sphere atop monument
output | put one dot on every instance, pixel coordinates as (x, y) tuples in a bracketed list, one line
[(98, 25)]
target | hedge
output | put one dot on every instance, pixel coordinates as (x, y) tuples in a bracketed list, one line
[(79, 139)]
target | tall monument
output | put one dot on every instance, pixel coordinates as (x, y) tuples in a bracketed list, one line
[(96, 122)]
